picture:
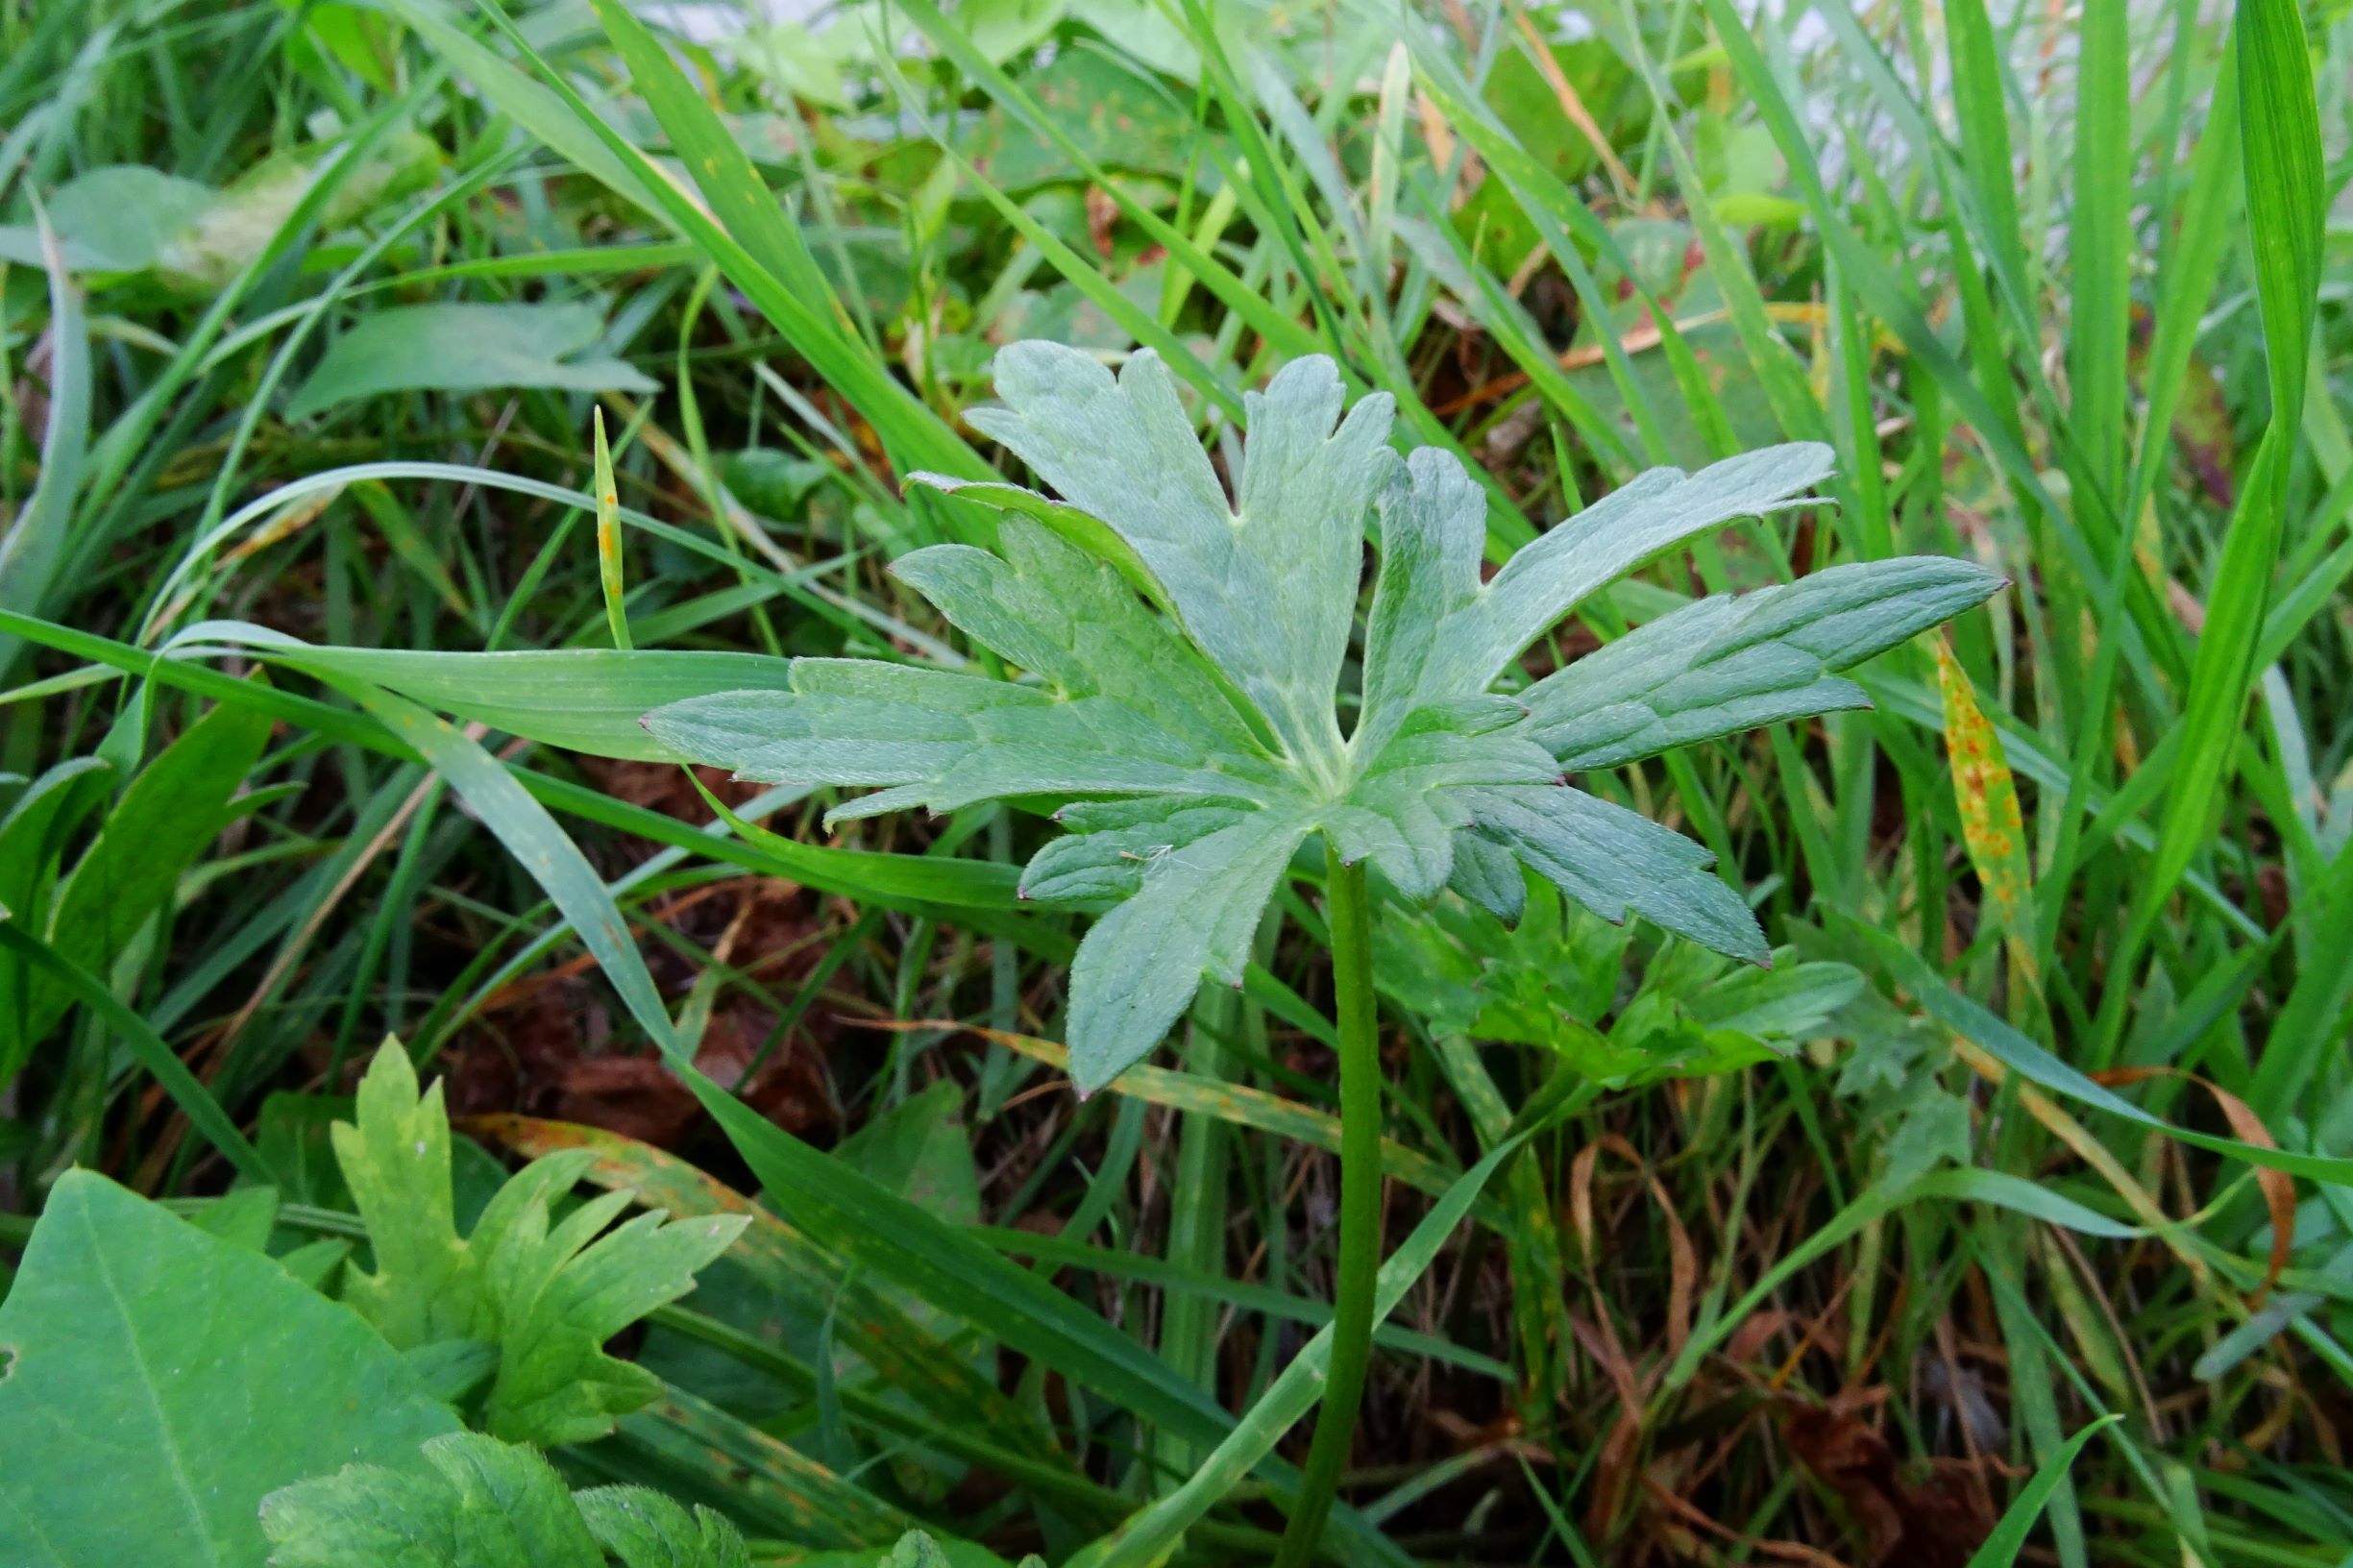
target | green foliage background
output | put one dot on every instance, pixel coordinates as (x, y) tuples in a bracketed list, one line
[(2011, 1213)]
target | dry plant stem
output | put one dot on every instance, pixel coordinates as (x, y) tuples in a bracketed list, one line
[(1352, 1307)]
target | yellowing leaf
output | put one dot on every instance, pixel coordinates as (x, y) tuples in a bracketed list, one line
[(1992, 827)]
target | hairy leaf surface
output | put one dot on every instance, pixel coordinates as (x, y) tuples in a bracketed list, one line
[(1732, 663), (1177, 660)]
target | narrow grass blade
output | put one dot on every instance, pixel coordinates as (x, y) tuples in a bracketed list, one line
[(917, 436), (2015, 1051), (545, 850), (982, 894), (1147, 1538), (34, 543), (584, 699), (768, 1484), (1184, 1283), (908, 1245), (1235, 1104), (147, 1047), (2286, 210), (2099, 250), (2300, 1043), (1991, 826), (2008, 1537)]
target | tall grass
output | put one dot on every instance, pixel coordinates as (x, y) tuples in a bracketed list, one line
[(2055, 285)]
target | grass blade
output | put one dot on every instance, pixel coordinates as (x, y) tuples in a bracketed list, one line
[(2008, 1538), (35, 543)]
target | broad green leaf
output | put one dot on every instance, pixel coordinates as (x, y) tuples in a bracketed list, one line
[(117, 217), (160, 1382), (468, 348), (130, 218), (479, 1502), (1191, 667), (1101, 114), (548, 1294), (327, 183)]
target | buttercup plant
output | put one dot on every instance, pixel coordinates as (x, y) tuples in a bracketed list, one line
[(1178, 698)]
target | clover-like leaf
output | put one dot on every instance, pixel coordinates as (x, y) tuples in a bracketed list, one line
[(1179, 657), (546, 1293)]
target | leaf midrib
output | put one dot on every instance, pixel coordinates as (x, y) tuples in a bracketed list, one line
[(101, 1259)]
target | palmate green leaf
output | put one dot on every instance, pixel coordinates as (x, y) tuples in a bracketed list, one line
[(1128, 707), (479, 1502), (547, 1293), (642, 1529), (1265, 587), (1452, 635), (1189, 672)]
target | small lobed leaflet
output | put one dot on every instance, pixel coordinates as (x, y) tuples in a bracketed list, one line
[(479, 1502), (544, 1287), (1180, 657)]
